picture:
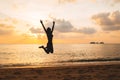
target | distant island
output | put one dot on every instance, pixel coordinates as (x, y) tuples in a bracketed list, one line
[(96, 42)]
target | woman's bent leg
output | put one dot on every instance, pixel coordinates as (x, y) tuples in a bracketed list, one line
[(46, 50)]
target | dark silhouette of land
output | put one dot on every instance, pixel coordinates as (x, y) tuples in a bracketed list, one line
[(96, 42), (48, 31)]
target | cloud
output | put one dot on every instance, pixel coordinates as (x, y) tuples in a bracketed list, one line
[(116, 1), (87, 30), (61, 25), (64, 26), (35, 30), (113, 2), (108, 21), (4, 32), (6, 29)]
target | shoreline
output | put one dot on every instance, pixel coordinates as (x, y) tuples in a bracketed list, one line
[(109, 71), (59, 64)]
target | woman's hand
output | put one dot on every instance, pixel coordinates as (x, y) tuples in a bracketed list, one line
[(41, 21), (53, 22)]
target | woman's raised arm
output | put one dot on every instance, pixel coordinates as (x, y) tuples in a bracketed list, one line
[(53, 26), (43, 26)]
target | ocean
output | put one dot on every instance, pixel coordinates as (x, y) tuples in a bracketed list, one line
[(23, 55)]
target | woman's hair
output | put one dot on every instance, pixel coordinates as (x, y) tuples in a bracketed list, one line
[(48, 29)]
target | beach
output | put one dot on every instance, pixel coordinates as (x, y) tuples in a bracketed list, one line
[(107, 71)]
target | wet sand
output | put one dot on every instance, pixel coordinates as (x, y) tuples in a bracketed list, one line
[(75, 72)]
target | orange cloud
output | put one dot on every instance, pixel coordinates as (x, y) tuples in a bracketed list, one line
[(6, 29)]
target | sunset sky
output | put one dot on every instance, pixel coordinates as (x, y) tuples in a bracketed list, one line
[(77, 21)]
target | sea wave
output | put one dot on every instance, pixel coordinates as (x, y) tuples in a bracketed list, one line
[(58, 62), (94, 60)]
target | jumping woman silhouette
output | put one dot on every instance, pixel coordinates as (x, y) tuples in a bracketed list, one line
[(49, 31)]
